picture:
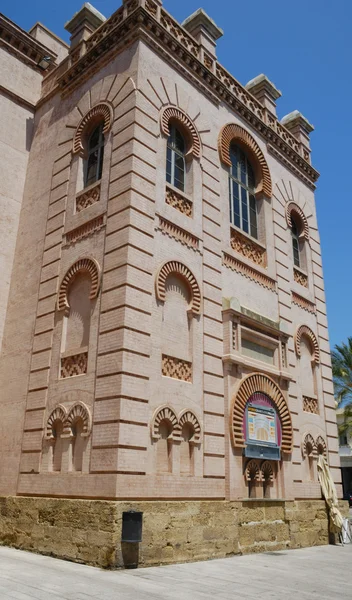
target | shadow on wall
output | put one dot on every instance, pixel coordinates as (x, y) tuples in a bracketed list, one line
[(29, 132)]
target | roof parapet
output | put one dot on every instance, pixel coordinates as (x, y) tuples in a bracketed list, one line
[(204, 30), (264, 91), (83, 23)]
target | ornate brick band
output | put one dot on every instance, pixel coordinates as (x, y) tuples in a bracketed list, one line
[(176, 368), (177, 268), (303, 303), (306, 331), (74, 365), (237, 265), (234, 133), (84, 265), (250, 385), (293, 209), (179, 234), (101, 112), (173, 113)]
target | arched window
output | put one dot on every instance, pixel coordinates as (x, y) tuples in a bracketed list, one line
[(175, 159), (95, 154), (57, 447), (295, 242), (187, 450), (243, 207), (78, 445), (164, 447)]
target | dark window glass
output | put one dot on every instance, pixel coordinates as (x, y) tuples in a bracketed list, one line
[(243, 207), (94, 161), (175, 159), (295, 243)]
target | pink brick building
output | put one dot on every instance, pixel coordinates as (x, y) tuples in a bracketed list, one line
[(162, 306)]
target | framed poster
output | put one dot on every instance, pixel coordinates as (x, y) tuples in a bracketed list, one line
[(261, 425)]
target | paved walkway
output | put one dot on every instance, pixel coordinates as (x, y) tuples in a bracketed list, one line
[(309, 574)]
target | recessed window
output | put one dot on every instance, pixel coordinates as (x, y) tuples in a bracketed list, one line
[(95, 154), (243, 206), (295, 243), (175, 159)]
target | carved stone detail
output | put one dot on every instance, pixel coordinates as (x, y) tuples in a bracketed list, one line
[(248, 248), (310, 405), (84, 230), (300, 278), (250, 272), (131, 5), (179, 202), (251, 384), (178, 268), (74, 365), (87, 197), (303, 303), (176, 368), (179, 234), (305, 330), (232, 133), (174, 113), (178, 32), (151, 7)]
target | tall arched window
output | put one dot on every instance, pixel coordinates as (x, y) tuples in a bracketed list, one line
[(175, 159), (78, 445), (95, 154), (243, 207), (57, 447), (295, 242)]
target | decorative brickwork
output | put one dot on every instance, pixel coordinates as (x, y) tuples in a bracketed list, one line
[(178, 32), (237, 265), (267, 471), (248, 248), (303, 303), (310, 405), (88, 197), (177, 268), (178, 201), (249, 386), (300, 278), (80, 411), (74, 365), (173, 113), (151, 7), (321, 446), (84, 230), (308, 446), (178, 234), (293, 209), (252, 471), (306, 331), (176, 368), (58, 414), (188, 417), (165, 413), (234, 133), (100, 112), (84, 265), (131, 5)]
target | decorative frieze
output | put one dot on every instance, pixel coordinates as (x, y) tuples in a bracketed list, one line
[(178, 32), (151, 7), (300, 277), (87, 197), (303, 303), (176, 368), (310, 405), (84, 230), (74, 365), (249, 248), (178, 233), (179, 201), (237, 265)]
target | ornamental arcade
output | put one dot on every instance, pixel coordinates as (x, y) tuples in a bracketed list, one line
[(163, 320)]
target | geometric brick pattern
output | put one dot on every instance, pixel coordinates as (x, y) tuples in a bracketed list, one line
[(84, 230), (175, 114), (250, 272), (310, 405), (176, 368), (300, 278), (179, 234), (234, 133), (250, 385), (303, 303), (87, 198), (101, 112), (248, 248), (74, 365), (182, 204)]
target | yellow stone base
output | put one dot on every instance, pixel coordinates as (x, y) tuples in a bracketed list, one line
[(89, 531)]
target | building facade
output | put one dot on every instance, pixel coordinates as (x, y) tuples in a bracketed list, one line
[(165, 333)]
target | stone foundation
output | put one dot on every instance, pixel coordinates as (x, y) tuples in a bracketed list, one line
[(89, 531)]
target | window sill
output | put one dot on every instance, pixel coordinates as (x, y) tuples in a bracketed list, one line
[(257, 365)]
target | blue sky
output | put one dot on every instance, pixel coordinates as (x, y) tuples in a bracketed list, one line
[(305, 48)]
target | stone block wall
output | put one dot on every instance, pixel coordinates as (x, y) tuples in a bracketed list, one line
[(89, 531)]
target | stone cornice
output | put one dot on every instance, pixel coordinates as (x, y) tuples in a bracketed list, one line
[(19, 43), (170, 39)]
